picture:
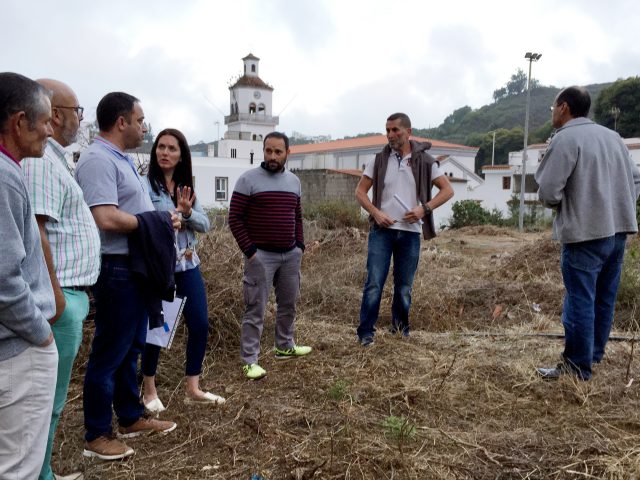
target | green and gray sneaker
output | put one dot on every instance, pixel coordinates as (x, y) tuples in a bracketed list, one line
[(254, 371), (295, 351)]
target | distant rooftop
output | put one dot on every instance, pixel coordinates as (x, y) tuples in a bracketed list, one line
[(367, 142)]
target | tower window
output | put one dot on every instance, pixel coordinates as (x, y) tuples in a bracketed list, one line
[(234, 153), (261, 108), (252, 108), (253, 68)]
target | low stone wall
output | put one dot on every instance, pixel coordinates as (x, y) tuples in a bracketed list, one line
[(322, 185)]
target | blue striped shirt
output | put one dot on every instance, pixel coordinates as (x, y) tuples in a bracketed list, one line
[(71, 230)]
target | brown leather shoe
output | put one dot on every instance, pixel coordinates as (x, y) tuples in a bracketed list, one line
[(107, 447), (146, 425)]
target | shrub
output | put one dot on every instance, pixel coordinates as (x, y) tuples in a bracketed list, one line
[(333, 214), (467, 213), (630, 277)]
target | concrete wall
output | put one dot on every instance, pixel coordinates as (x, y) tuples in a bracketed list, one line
[(322, 185)]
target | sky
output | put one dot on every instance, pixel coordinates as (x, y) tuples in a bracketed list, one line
[(338, 67)]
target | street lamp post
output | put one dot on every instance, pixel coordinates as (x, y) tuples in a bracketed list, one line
[(615, 111), (532, 57), (493, 148)]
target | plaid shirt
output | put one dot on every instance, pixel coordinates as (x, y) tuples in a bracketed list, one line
[(71, 230)]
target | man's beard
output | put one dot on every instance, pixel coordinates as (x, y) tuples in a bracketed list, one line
[(274, 166), (69, 135)]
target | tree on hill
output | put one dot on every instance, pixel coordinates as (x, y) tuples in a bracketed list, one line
[(515, 86), (618, 107)]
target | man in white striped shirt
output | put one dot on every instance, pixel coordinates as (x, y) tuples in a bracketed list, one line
[(70, 240)]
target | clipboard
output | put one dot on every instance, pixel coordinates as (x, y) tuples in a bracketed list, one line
[(163, 336)]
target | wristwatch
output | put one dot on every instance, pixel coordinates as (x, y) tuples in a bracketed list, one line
[(426, 208)]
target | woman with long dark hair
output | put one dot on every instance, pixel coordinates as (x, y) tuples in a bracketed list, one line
[(171, 188)]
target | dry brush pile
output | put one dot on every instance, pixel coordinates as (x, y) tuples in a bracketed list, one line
[(459, 399)]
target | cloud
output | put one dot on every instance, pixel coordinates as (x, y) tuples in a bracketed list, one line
[(338, 67)]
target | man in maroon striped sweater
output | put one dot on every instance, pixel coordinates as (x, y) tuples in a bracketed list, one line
[(265, 218)]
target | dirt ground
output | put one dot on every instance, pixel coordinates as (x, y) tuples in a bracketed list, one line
[(458, 400)]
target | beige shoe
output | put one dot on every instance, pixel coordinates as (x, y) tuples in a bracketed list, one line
[(154, 406), (107, 447), (146, 425), (208, 397)]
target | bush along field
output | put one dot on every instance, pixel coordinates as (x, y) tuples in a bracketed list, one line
[(459, 399)]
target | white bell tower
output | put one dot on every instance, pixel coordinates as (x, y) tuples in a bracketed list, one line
[(251, 101)]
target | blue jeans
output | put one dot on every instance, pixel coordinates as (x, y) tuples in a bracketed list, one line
[(188, 284), (405, 249), (591, 273), (121, 332)]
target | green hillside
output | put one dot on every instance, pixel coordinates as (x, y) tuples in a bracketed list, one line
[(506, 113)]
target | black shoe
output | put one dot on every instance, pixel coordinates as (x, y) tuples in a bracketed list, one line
[(366, 341), (551, 373), (558, 371)]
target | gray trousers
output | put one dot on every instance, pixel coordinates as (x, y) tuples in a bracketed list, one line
[(282, 270), (27, 386)]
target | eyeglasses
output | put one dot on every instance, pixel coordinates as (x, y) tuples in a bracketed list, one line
[(553, 107), (79, 110)]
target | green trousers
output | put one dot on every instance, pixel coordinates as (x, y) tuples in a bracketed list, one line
[(68, 334)]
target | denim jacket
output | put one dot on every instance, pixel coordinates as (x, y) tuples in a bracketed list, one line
[(186, 237)]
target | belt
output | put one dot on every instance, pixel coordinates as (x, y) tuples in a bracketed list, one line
[(79, 288), (115, 256)]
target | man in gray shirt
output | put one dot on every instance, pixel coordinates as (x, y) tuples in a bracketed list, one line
[(28, 354), (588, 177), (115, 193)]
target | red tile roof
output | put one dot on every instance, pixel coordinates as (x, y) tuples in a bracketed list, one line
[(367, 142), (247, 81)]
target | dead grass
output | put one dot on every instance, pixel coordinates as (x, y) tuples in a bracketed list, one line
[(440, 405)]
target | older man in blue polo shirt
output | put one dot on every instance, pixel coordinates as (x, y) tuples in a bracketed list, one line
[(115, 193)]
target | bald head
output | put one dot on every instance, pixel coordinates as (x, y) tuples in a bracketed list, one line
[(64, 110)]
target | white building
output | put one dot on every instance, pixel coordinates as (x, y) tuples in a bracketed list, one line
[(351, 155), (354, 153), (501, 182)]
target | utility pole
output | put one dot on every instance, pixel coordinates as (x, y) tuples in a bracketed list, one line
[(615, 111), (532, 57), (493, 149)]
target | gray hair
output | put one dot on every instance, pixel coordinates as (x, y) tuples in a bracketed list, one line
[(20, 94)]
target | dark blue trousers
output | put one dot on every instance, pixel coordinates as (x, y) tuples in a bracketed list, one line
[(121, 331)]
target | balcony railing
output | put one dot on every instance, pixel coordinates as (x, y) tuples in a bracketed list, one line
[(252, 117)]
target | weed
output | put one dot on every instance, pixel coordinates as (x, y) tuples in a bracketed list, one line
[(338, 390), (334, 214), (399, 427)]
